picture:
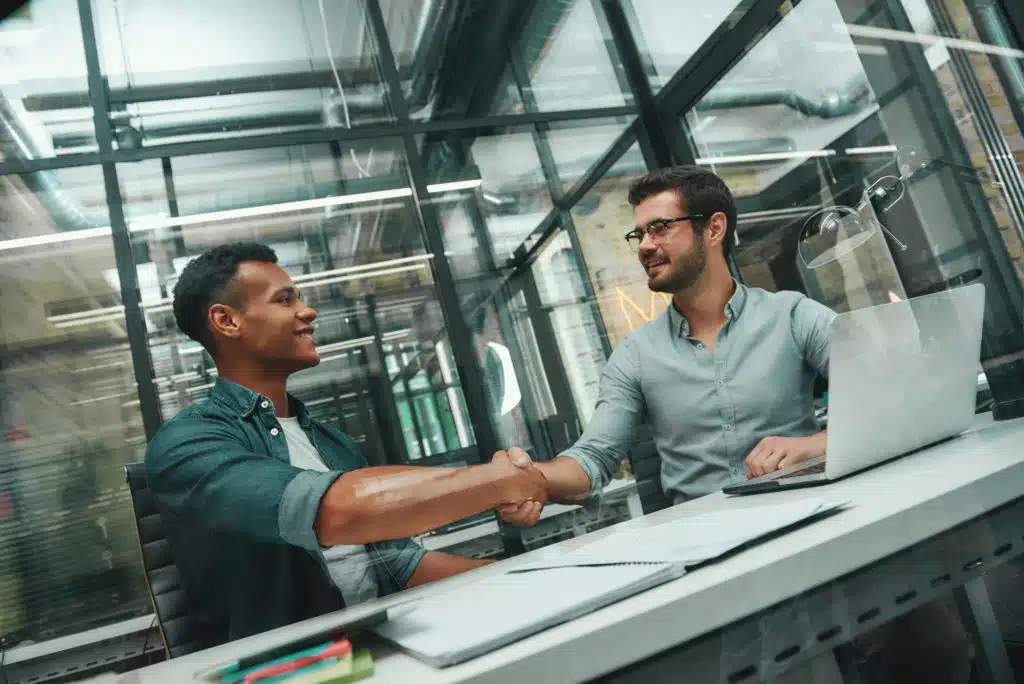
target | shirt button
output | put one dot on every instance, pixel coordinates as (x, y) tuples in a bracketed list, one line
[(720, 383), (264, 404), (274, 431), (728, 426)]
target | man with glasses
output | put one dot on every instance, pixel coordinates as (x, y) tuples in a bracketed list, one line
[(725, 379)]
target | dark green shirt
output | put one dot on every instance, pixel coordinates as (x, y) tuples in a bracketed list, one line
[(239, 518)]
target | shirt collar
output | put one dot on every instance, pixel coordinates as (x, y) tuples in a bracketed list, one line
[(733, 309), (246, 402)]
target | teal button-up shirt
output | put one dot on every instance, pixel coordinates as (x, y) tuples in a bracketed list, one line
[(239, 518), (709, 410)]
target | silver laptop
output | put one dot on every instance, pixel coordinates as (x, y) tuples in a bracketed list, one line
[(901, 376)]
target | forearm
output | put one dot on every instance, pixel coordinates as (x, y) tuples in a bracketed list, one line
[(568, 483), (819, 440), (436, 565), (391, 502)]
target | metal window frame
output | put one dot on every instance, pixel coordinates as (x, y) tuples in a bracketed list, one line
[(135, 322)]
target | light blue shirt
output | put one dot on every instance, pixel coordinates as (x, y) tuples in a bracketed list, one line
[(709, 410)]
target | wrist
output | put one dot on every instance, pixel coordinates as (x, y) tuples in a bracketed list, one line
[(508, 483)]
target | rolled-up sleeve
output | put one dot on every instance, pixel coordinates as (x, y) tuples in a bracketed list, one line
[(199, 469), (612, 428), (397, 560)]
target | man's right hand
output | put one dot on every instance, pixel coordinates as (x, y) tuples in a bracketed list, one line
[(524, 512)]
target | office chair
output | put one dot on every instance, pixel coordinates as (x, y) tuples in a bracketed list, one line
[(645, 462), (180, 630)]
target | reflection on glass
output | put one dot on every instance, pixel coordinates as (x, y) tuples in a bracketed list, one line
[(44, 96), (602, 217), (576, 146), (570, 62), (430, 42), (263, 68), (669, 33), (484, 225), (574, 320), (69, 556), (777, 109)]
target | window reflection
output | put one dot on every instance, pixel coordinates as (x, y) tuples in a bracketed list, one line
[(264, 68), (46, 111), (69, 557), (670, 33), (602, 217), (569, 67), (577, 145)]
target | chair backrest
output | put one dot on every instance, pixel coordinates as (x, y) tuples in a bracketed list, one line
[(645, 462), (180, 630)]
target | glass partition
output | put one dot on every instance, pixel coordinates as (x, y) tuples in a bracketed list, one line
[(69, 554)]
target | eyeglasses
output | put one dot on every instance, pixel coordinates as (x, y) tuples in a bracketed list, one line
[(657, 230)]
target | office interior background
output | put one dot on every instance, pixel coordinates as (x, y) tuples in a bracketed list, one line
[(446, 181)]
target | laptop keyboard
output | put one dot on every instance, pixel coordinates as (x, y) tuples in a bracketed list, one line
[(812, 470)]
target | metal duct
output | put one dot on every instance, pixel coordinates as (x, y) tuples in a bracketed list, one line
[(854, 98), (19, 142)]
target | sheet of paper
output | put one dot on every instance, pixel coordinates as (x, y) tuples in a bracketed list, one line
[(689, 540)]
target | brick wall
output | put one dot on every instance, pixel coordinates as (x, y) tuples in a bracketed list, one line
[(998, 101)]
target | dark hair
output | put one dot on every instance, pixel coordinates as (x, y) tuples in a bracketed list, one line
[(701, 192), (208, 279)]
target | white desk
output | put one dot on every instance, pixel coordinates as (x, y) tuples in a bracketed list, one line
[(903, 505)]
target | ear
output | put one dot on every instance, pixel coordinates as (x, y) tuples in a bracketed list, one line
[(714, 233), (224, 320)]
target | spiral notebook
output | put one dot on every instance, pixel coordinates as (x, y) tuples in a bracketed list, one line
[(480, 617)]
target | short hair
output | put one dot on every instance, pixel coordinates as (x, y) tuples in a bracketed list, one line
[(209, 279), (701, 191)]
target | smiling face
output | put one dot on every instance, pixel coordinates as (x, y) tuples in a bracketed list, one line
[(270, 325), (675, 261)]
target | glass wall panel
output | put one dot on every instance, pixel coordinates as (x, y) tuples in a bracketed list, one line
[(460, 60), (505, 197), (44, 100), (437, 48), (669, 33), (69, 554), (577, 145), (267, 67), (602, 218), (574, 319), (570, 62)]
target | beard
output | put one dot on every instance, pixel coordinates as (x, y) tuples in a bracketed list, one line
[(686, 269)]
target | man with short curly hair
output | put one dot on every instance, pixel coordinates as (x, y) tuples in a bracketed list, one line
[(273, 517)]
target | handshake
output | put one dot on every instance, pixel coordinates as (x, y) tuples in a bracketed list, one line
[(525, 487)]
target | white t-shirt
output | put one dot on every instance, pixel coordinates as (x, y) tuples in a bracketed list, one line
[(349, 566)]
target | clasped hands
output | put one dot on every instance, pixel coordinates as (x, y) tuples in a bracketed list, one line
[(527, 498)]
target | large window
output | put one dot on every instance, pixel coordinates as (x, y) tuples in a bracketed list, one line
[(447, 182), (69, 557)]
